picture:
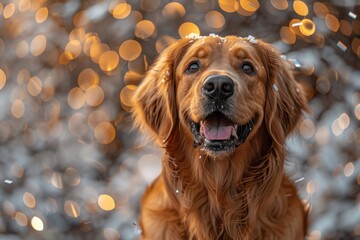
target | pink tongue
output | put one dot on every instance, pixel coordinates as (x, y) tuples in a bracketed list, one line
[(217, 132)]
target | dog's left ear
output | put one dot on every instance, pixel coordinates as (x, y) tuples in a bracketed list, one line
[(154, 101), (285, 99)]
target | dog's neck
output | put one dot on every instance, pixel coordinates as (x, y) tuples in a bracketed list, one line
[(223, 186), (220, 176)]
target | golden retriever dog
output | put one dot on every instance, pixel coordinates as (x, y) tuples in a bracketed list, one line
[(221, 108)]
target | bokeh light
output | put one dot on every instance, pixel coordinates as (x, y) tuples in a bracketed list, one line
[(34, 86), (174, 10), (38, 45), (188, 28), (332, 22), (215, 20), (300, 8), (121, 10), (29, 200), (108, 61), (250, 5), (87, 78), (229, 5), (104, 132), (21, 219), (2, 79), (18, 108), (37, 223), (9, 10), (307, 27), (287, 35), (76, 98), (280, 4), (72, 49), (130, 50), (106, 202), (41, 15), (94, 95), (72, 209), (68, 72), (144, 29)]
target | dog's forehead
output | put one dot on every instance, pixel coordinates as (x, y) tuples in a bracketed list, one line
[(203, 44)]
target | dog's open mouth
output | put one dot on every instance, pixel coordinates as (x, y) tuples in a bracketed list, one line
[(217, 133)]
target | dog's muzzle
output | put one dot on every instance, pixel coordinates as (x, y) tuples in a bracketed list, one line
[(216, 131)]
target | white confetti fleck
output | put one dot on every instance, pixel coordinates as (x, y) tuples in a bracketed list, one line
[(352, 15), (341, 45), (296, 24), (299, 180), (275, 86), (167, 73), (251, 39), (283, 57), (194, 36), (137, 229), (213, 35), (177, 191), (8, 181), (295, 62)]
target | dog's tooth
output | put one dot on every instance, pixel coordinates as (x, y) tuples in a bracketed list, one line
[(233, 132)]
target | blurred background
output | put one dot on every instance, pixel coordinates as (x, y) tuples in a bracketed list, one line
[(70, 165)]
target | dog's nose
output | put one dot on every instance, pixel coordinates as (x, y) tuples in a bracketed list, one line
[(218, 87)]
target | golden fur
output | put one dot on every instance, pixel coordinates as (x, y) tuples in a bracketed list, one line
[(240, 194)]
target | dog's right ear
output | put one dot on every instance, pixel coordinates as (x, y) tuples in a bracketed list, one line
[(154, 101)]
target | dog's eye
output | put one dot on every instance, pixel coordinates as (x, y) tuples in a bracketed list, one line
[(248, 69), (193, 68)]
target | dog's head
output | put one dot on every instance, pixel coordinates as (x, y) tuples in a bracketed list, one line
[(217, 93)]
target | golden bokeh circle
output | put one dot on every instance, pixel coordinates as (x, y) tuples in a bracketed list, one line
[(144, 29), (295, 25), (280, 4), (149, 5), (287, 35), (121, 11), (104, 132), (29, 200), (73, 49), (38, 45), (188, 28), (37, 224), (250, 5), (345, 28), (307, 27), (126, 95), (229, 5), (2, 79), (164, 42), (76, 98), (173, 10), (300, 8), (130, 50), (94, 95), (108, 61), (215, 19), (21, 219), (320, 9), (71, 208), (34, 86), (18, 108), (106, 202), (41, 15), (332, 22), (88, 77)]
